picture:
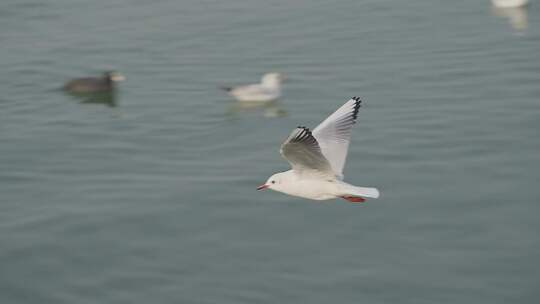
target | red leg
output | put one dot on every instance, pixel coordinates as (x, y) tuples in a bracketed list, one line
[(354, 199)]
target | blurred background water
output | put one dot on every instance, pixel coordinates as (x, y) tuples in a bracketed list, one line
[(152, 199)]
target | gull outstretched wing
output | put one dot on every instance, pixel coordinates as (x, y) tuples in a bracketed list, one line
[(302, 151), (334, 134)]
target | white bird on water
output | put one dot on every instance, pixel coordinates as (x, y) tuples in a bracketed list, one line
[(509, 3), (268, 90), (317, 159)]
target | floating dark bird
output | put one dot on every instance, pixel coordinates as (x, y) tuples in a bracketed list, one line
[(94, 84)]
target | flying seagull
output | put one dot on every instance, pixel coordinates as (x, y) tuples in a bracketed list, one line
[(317, 159)]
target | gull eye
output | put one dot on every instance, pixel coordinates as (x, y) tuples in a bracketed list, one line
[(273, 182)]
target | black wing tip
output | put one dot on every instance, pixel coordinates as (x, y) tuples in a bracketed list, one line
[(226, 89), (305, 133), (357, 105), (305, 129)]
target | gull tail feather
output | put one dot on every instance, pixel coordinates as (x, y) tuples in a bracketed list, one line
[(227, 89), (361, 191)]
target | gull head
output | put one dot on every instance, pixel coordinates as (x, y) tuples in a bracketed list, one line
[(272, 79), (275, 182)]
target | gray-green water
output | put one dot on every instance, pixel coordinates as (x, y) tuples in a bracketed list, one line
[(154, 201)]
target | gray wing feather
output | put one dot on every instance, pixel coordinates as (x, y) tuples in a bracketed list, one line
[(302, 151)]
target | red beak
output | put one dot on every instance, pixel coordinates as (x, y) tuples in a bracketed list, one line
[(262, 187)]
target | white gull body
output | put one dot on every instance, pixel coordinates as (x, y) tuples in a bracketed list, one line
[(317, 159), (268, 90)]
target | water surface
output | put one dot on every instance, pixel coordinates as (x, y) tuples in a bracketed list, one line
[(153, 200)]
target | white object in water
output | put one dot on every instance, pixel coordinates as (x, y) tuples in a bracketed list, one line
[(268, 90), (317, 159), (509, 3), (517, 16)]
